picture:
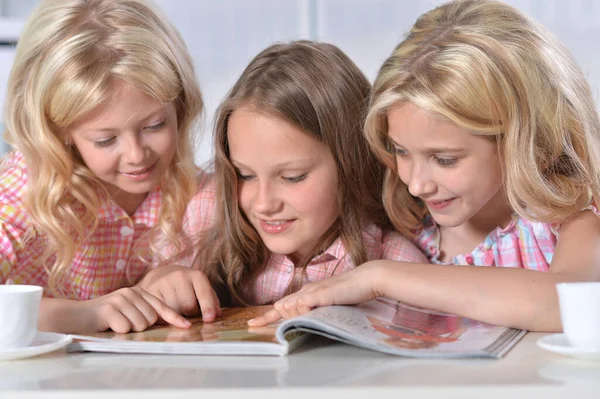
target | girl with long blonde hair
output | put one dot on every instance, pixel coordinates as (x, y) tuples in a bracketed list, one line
[(101, 107), (491, 140)]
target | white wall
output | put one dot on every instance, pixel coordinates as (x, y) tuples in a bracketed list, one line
[(223, 35), (12, 14)]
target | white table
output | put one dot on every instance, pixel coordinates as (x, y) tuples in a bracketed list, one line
[(320, 369)]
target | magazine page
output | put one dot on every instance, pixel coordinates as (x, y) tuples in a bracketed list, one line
[(391, 327), (228, 335)]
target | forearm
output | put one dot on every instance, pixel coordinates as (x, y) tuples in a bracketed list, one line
[(61, 315), (512, 297)]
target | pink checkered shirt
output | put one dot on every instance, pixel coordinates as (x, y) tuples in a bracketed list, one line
[(106, 262), (522, 244), (273, 282)]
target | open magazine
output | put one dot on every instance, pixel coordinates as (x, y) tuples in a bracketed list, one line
[(381, 325)]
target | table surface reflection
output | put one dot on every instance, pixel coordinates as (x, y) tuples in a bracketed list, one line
[(321, 368)]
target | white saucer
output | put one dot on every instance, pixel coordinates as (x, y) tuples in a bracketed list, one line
[(43, 342), (558, 343)]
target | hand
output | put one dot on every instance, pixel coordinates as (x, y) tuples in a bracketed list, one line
[(127, 309), (187, 291), (354, 286)]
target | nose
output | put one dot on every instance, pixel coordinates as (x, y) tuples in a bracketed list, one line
[(134, 150), (266, 199), (419, 180)]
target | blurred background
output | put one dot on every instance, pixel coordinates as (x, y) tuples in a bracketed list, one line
[(224, 35)]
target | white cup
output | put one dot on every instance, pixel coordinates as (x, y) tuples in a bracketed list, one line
[(580, 313), (19, 310)]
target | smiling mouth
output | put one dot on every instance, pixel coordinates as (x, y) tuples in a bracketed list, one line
[(275, 222), (440, 202), (275, 226), (139, 172)]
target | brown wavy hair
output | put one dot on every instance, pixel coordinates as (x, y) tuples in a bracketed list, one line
[(319, 90)]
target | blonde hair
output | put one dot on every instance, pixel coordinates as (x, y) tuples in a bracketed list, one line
[(318, 89), (69, 56), (488, 68)]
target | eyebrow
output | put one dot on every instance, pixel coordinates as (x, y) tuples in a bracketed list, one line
[(149, 115), (238, 164), (431, 149), (106, 130)]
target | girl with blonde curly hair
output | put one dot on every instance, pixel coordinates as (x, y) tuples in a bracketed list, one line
[(101, 107)]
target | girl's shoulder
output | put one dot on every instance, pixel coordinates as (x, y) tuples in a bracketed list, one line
[(389, 244), (13, 180), (206, 183), (523, 243), (201, 210), (206, 192), (13, 176)]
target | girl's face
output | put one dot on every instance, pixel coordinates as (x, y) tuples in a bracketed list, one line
[(287, 181), (128, 143), (456, 173)]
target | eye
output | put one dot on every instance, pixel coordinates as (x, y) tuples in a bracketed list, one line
[(156, 126), (295, 179), (104, 143), (400, 152), (445, 162), (243, 177)]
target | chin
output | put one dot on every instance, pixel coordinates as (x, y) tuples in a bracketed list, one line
[(279, 249), (445, 221), (141, 188)]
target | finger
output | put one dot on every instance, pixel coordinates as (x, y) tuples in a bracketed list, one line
[(302, 307), (170, 297), (157, 294), (137, 310), (165, 312), (270, 317), (186, 299), (291, 308), (314, 298), (207, 298), (284, 307), (112, 318)]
